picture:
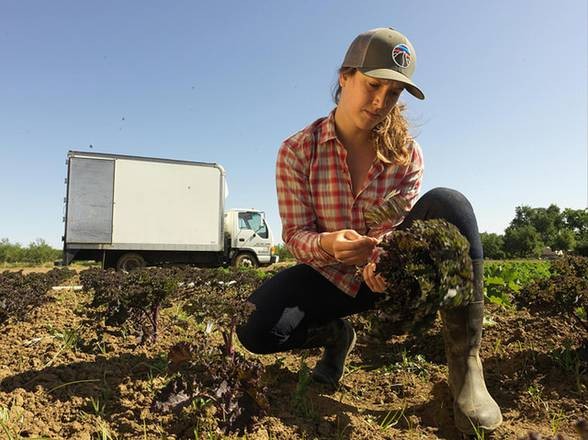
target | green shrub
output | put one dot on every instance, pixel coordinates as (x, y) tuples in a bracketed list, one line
[(504, 279)]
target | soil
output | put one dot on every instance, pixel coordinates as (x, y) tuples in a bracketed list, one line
[(64, 375)]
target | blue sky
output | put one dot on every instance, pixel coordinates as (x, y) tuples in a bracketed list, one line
[(504, 122)]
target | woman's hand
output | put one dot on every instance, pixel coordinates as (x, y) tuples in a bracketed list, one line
[(374, 281), (348, 246)]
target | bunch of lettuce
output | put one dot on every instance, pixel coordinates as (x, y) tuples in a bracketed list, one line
[(426, 266)]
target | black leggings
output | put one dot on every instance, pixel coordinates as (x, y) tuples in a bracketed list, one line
[(299, 297)]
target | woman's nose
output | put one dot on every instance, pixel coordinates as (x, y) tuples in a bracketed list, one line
[(379, 100)]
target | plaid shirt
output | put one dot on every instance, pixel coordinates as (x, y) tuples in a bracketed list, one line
[(315, 195)]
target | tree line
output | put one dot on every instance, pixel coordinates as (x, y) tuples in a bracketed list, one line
[(529, 233), (37, 252), (532, 230)]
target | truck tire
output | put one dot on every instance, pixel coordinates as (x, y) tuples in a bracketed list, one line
[(130, 261), (245, 260)]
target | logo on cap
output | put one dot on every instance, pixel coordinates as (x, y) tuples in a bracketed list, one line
[(401, 55)]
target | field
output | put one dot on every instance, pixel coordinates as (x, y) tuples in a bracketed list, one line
[(66, 374)]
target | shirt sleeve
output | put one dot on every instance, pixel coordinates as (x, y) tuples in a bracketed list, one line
[(409, 189), (299, 230)]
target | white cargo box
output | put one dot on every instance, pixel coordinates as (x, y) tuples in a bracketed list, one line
[(128, 202)]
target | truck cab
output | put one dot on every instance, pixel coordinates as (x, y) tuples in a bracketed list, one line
[(249, 238)]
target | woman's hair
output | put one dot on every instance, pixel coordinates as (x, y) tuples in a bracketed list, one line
[(391, 136)]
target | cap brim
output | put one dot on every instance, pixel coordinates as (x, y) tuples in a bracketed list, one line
[(396, 76)]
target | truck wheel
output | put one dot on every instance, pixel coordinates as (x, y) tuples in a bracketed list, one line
[(245, 260), (130, 261)]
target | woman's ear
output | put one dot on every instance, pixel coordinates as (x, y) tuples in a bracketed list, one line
[(343, 78)]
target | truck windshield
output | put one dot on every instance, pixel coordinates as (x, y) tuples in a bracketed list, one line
[(253, 221)]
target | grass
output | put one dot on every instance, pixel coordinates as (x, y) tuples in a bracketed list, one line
[(102, 347), (536, 393), (98, 405), (156, 372), (498, 349), (103, 431), (69, 338), (178, 312), (409, 364), (63, 385), (301, 401), (44, 267), (556, 420), (391, 419), (340, 430), (569, 360), (479, 433), (7, 426)]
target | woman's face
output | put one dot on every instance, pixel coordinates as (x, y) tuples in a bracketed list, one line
[(366, 101)]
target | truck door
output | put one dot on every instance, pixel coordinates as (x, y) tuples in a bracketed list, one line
[(254, 234), (245, 230), (89, 204)]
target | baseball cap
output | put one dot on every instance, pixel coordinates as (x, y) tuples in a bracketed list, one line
[(384, 53)]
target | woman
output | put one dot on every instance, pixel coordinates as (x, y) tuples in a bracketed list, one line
[(329, 176)]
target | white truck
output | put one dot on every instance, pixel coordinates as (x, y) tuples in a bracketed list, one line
[(131, 211)]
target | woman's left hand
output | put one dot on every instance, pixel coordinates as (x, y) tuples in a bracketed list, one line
[(374, 281)]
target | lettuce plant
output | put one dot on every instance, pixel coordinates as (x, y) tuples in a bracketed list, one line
[(135, 297), (426, 266), (20, 294)]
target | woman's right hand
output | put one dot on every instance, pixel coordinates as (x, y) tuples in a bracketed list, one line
[(348, 246)]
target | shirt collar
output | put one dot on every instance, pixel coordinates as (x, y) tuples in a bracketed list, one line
[(327, 133), (327, 129)]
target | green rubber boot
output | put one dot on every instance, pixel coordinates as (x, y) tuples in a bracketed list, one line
[(338, 339), (473, 406)]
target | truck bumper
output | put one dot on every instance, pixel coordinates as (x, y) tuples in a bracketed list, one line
[(274, 259)]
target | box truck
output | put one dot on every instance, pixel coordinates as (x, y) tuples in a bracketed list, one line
[(131, 211)]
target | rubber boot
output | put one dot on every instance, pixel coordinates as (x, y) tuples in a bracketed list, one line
[(462, 332), (338, 339)]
